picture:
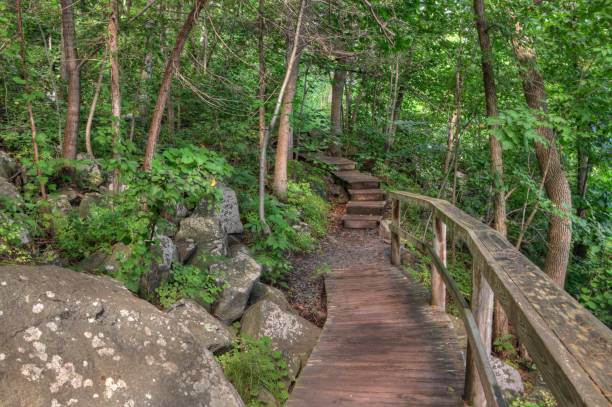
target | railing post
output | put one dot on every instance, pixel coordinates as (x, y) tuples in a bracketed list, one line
[(482, 308), (438, 288), (395, 237)]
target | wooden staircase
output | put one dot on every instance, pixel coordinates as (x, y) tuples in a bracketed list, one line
[(367, 204)]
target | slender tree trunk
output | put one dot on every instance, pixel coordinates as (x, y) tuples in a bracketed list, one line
[(170, 120), (73, 74), (500, 320), (336, 109), (455, 120), (582, 176), (291, 64), (92, 109), (555, 181), (24, 77), (348, 99), (171, 66), (113, 47), (284, 132), (263, 145)]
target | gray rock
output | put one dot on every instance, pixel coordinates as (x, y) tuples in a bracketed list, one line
[(291, 334), (210, 331), (338, 193), (186, 248), (89, 174), (227, 211), (89, 199), (164, 254), (70, 336), (105, 262), (208, 235), (22, 232), (267, 399), (8, 166), (240, 273), (262, 291), (8, 190), (508, 378)]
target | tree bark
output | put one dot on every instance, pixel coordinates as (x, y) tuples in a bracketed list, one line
[(171, 67), (549, 160), (582, 176), (284, 132), (262, 117), (73, 75), (113, 47), (454, 123), (92, 109), (348, 101), (24, 77), (336, 109), (500, 320)]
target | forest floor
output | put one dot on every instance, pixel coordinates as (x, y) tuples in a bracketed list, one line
[(338, 249)]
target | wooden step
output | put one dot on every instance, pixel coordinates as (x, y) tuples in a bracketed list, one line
[(365, 207), (337, 163), (352, 221), (357, 180), (367, 194)]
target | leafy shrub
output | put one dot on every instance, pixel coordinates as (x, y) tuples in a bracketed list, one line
[(253, 366), (287, 234), (189, 282), (14, 226)]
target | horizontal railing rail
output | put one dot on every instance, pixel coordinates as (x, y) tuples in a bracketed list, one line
[(570, 347)]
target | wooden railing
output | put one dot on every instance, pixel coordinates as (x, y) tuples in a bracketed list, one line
[(571, 348)]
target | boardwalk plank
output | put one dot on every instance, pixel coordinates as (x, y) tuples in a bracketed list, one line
[(382, 346)]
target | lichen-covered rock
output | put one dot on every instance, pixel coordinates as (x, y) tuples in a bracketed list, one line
[(508, 378), (338, 193), (186, 248), (208, 235), (227, 211), (8, 166), (262, 291), (104, 262), (89, 199), (291, 334), (75, 339), (210, 331), (89, 174), (239, 273), (8, 190), (164, 254)]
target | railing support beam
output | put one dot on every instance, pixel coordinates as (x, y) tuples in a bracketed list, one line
[(438, 288), (482, 308), (396, 255)]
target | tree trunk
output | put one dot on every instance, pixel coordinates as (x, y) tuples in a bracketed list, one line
[(582, 176), (348, 99), (171, 66), (73, 74), (336, 110), (24, 77), (92, 109), (263, 142), (113, 47), (454, 123), (284, 132), (555, 181), (500, 320)]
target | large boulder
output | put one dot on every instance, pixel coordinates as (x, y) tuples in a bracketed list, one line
[(164, 254), (8, 190), (239, 273), (508, 378), (291, 334), (89, 174), (206, 233), (106, 262), (262, 291), (89, 200), (8, 166), (210, 331), (71, 338), (227, 210)]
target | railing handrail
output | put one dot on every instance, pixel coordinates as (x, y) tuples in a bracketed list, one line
[(569, 345)]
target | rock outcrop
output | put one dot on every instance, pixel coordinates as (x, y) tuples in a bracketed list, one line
[(291, 334), (74, 339), (206, 233), (508, 378), (239, 273), (226, 210)]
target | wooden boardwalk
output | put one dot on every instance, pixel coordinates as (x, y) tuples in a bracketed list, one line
[(382, 345)]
